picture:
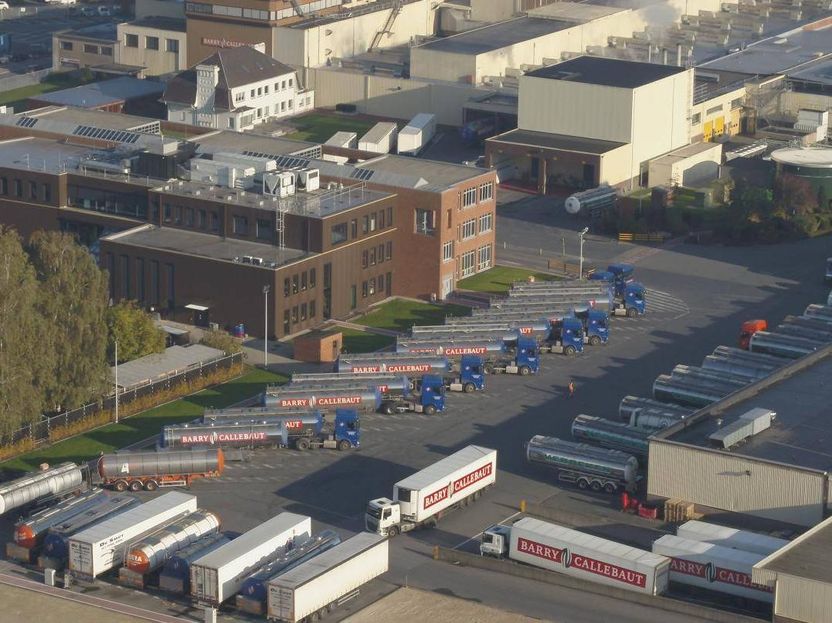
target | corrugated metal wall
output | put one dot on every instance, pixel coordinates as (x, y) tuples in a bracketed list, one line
[(736, 483), (803, 600)]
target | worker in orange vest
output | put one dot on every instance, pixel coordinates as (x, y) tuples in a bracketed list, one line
[(571, 388)]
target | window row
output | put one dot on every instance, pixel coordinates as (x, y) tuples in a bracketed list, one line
[(128, 282), (298, 313), (300, 282), (471, 196), (373, 286), (377, 255), (475, 261), (469, 228), (240, 96), (150, 43), (197, 218), (370, 223), (33, 190)]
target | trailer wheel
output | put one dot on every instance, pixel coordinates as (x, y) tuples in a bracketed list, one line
[(596, 486), (610, 488), (569, 351), (392, 531), (430, 410), (431, 523), (120, 486), (478, 494), (344, 445), (632, 312), (136, 485), (488, 369), (525, 370), (151, 485), (583, 483), (469, 388), (387, 409), (302, 444), (594, 340)]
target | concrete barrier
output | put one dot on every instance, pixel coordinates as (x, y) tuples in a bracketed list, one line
[(542, 575)]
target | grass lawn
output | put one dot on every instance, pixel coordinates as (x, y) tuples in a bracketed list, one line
[(52, 82), (364, 342), (146, 424), (498, 280), (400, 314), (319, 128)]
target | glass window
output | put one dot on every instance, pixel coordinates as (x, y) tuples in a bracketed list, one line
[(106, 51), (424, 222), (486, 222), (168, 213), (381, 283), (287, 326), (151, 43), (354, 228), (66, 45), (215, 221), (294, 284), (303, 309), (468, 265), (380, 253), (291, 81), (484, 257), (294, 314), (353, 297), (90, 49), (131, 41), (372, 286), (303, 283), (286, 286), (365, 228), (264, 229), (389, 254), (4, 186), (469, 197), (47, 192), (18, 189), (33, 190), (338, 233), (240, 225), (486, 191), (365, 259), (259, 91), (172, 45), (312, 310), (364, 289), (696, 119), (373, 256), (202, 219), (373, 221), (448, 251), (469, 229), (189, 217), (312, 277), (381, 220), (390, 216)]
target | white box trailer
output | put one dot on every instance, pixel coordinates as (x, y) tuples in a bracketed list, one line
[(220, 574), (723, 536), (316, 585), (712, 567), (424, 497), (417, 134), (588, 557), (104, 546), (380, 139)]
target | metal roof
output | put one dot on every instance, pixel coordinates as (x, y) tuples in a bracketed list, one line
[(805, 557), (560, 142), (817, 158), (496, 36), (432, 473), (320, 564), (103, 93), (153, 367), (610, 72)]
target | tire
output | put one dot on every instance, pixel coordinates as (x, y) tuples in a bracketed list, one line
[(121, 486), (525, 371), (392, 531), (151, 485), (344, 445), (469, 388), (478, 494), (387, 409), (430, 410), (595, 486), (488, 369), (431, 523), (610, 488), (569, 351), (631, 312), (136, 485), (583, 483), (594, 340), (302, 444)]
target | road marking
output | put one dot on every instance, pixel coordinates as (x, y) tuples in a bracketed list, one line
[(469, 539)]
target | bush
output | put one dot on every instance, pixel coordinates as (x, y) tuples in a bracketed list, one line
[(222, 341)]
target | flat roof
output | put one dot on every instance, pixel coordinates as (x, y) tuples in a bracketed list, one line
[(41, 154), (818, 157), (95, 118), (102, 93), (561, 142), (205, 245), (496, 36), (687, 151), (98, 32), (175, 359), (800, 394), (434, 172), (818, 72), (807, 556), (160, 23), (610, 72), (577, 12), (225, 141)]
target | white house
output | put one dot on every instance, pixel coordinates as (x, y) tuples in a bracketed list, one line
[(235, 89)]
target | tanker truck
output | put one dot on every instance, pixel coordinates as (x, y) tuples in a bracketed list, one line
[(134, 470), (469, 379), (523, 359), (47, 484)]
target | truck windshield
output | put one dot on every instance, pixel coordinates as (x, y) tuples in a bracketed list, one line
[(487, 537), (374, 511)]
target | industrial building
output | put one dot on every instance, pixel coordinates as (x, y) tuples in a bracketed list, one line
[(121, 94), (156, 44), (781, 473), (811, 164)]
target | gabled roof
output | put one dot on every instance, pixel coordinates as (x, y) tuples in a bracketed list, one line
[(238, 67)]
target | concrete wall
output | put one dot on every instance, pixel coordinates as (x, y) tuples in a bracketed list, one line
[(157, 62), (791, 101), (429, 64), (616, 166), (801, 599), (686, 171), (736, 483)]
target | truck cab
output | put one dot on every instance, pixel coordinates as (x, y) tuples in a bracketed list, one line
[(471, 375), (622, 276), (528, 356), (595, 324), (428, 398), (382, 515), (347, 429), (567, 336), (495, 540), (749, 328), (631, 303)]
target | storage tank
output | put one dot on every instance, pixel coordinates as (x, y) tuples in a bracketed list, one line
[(724, 536), (450, 348), (749, 370), (160, 462), (49, 482), (609, 434), (392, 363), (153, 551), (634, 404), (274, 431), (653, 420), (503, 334), (324, 400), (591, 201), (810, 333), (739, 354), (176, 574), (385, 383), (772, 343), (695, 374), (686, 393), (30, 531)]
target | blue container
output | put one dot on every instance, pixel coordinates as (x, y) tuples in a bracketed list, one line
[(178, 567)]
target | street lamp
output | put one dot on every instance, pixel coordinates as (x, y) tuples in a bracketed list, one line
[(266, 326), (581, 265), (116, 375)]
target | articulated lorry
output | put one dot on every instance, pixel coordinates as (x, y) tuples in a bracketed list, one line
[(595, 321), (364, 399), (632, 405), (389, 383), (565, 337), (497, 358), (612, 435), (422, 499), (599, 469), (467, 377), (626, 299), (149, 470)]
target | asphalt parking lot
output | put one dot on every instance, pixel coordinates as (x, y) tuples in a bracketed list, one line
[(697, 297)]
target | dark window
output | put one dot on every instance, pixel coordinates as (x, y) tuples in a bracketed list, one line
[(172, 45), (327, 304), (303, 311), (155, 294), (380, 254), (312, 276), (215, 221), (18, 188), (339, 233), (125, 277), (354, 229), (372, 286), (189, 217), (327, 275), (294, 284), (4, 186), (90, 49), (47, 192), (240, 225), (168, 213), (312, 309), (66, 45), (365, 259), (131, 41), (450, 219), (294, 314), (286, 287), (303, 277), (171, 286), (373, 256), (389, 254), (33, 190), (381, 219), (353, 297), (363, 289), (151, 43), (177, 214), (140, 280), (154, 211), (287, 327), (202, 218), (389, 283), (106, 51), (366, 226), (381, 283), (390, 216), (264, 229)]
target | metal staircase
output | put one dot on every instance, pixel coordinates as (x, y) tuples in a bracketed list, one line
[(395, 9)]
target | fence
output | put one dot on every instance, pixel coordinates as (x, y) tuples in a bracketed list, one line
[(654, 237), (131, 401), (16, 81)]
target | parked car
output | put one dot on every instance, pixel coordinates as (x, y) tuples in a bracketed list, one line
[(104, 11)]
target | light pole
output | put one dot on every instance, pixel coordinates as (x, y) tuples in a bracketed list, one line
[(116, 360), (581, 265), (266, 326)]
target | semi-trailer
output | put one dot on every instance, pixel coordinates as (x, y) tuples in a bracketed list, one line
[(712, 567), (326, 400), (687, 393), (588, 467), (653, 420), (818, 311), (754, 372), (565, 336), (254, 594), (629, 301), (386, 383), (696, 374), (633, 404), (469, 379), (175, 576), (822, 336), (610, 434), (48, 483), (563, 550), (318, 585), (30, 531), (415, 136), (743, 540), (218, 575), (56, 542), (103, 546), (301, 431), (154, 550), (595, 321), (523, 359), (771, 343), (137, 469), (740, 355), (425, 497), (391, 363)]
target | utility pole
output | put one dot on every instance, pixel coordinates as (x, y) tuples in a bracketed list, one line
[(116, 358), (581, 265), (266, 327)]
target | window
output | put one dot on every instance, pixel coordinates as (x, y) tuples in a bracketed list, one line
[(90, 49), (373, 221), (312, 278), (215, 221), (131, 41), (155, 292), (252, 94), (373, 256), (354, 228), (303, 283), (66, 45), (372, 286), (469, 197), (47, 192), (339, 233), (294, 314), (312, 309), (696, 119), (365, 259), (714, 110), (240, 97), (264, 229), (353, 298), (381, 283), (151, 43), (4, 186), (240, 225), (484, 257), (450, 219), (381, 219), (33, 190), (390, 216), (291, 82), (106, 51), (389, 254), (303, 309), (468, 265), (424, 222), (448, 251), (168, 212), (125, 277), (177, 214), (18, 189), (189, 217), (294, 284), (140, 280), (259, 91), (286, 324), (469, 229), (202, 218), (172, 45), (170, 272), (266, 89), (380, 253), (487, 191), (365, 228), (276, 86), (364, 289), (283, 85), (486, 222), (259, 113), (286, 286), (290, 104), (737, 103)]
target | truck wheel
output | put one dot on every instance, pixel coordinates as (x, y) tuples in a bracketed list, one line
[(610, 488), (488, 369), (594, 340), (344, 445), (430, 410), (469, 388), (302, 444), (120, 486), (387, 409), (136, 485), (569, 351), (596, 486), (431, 523), (525, 371), (632, 312), (583, 483), (392, 531), (151, 485)]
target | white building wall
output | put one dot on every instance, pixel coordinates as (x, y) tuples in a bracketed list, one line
[(801, 599), (430, 64), (156, 62), (616, 166)]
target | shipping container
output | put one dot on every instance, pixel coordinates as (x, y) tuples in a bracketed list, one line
[(588, 557), (153, 551), (30, 532), (219, 575), (380, 139), (42, 485), (317, 585), (176, 574), (712, 567), (730, 537), (347, 140), (415, 136), (104, 546)]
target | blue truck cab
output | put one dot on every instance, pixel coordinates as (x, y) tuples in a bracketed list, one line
[(623, 274), (567, 336), (632, 303), (527, 356), (471, 375), (428, 398), (347, 427), (596, 324)]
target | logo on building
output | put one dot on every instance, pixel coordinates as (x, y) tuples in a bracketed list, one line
[(223, 43)]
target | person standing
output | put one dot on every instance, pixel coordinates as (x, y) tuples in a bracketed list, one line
[(571, 388)]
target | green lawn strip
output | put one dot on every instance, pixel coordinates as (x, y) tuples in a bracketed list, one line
[(356, 341), (400, 314), (146, 424), (320, 128), (498, 280), (52, 82)]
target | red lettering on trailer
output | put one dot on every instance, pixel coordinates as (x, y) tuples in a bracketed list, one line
[(526, 330), (294, 424), (295, 402), (365, 369), (408, 367), (466, 350), (710, 572), (334, 401), (458, 485), (215, 437)]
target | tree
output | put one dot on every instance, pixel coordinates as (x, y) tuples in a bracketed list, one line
[(21, 355), (222, 341), (135, 331), (73, 302), (793, 196)]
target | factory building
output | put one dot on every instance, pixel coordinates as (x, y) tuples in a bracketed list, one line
[(814, 165)]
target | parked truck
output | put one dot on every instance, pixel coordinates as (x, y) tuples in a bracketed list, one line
[(749, 328), (416, 135), (425, 497), (612, 435), (288, 401), (563, 550), (743, 540), (48, 483), (781, 345), (631, 405), (685, 393), (595, 321), (175, 576), (30, 531), (300, 431), (523, 359), (137, 469), (588, 467), (391, 363)]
